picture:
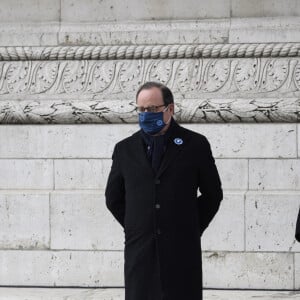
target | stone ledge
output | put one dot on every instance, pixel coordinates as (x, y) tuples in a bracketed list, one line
[(15, 293), (221, 30), (66, 268)]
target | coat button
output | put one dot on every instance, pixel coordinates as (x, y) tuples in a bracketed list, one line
[(157, 181), (157, 205)]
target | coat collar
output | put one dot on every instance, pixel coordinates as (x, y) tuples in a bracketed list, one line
[(176, 143)]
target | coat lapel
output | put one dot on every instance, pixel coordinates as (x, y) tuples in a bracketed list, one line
[(176, 144), (173, 149), (141, 154)]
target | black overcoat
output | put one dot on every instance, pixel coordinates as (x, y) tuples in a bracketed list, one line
[(297, 233), (161, 214)]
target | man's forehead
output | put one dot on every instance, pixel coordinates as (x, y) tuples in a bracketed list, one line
[(153, 94)]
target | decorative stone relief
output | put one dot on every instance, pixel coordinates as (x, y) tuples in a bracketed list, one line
[(151, 51), (120, 111), (261, 89)]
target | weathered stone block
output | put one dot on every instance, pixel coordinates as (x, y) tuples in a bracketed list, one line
[(29, 11), (248, 270), (264, 30), (24, 220), (233, 173), (28, 34), (81, 173), (266, 8), (61, 268), (249, 140), (52, 293), (274, 174), (114, 10), (297, 271), (71, 141), (82, 221), (226, 231), (271, 221), (298, 139), (144, 32), (26, 174)]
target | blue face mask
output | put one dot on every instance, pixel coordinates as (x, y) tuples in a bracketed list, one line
[(151, 122)]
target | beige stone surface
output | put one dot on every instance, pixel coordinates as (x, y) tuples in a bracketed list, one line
[(297, 271), (233, 173), (24, 220), (71, 141), (61, 268), (226, 231), (81, 173), (266, 8), (29, 34), (249, 140), (264, 30), (271, 221), (213, 30), (105, 268), (81, 221), (26, 173), (29, 10), (145, 32), (298, 139), (248, 270), (274, 174), (14, 293), (114, 10)]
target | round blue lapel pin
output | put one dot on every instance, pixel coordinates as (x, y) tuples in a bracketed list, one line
[(178, 141)]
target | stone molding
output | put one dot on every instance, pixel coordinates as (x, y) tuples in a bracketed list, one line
[(155, 32), (150, 51), (220, 70), (96, 91), (116, 111)]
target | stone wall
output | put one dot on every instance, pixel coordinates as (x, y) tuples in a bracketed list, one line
[(68, 74), (55, 229)]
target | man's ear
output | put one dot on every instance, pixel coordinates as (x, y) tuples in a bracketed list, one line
[(172, 108)]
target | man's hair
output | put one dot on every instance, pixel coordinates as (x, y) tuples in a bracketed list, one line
[(166, 92)]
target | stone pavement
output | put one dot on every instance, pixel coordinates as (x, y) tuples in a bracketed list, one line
[(13, 293)]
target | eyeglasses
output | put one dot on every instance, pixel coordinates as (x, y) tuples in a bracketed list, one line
[(152, 108)]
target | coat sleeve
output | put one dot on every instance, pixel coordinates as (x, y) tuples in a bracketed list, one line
[(115, 191), (297, 234), (209, 186)]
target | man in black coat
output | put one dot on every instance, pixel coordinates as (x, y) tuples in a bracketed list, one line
[(152, 192)]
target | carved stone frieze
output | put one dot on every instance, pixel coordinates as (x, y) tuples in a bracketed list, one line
[(99, 91), (122, 111)]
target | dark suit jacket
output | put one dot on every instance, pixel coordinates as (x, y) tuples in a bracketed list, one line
[(162, 217)]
